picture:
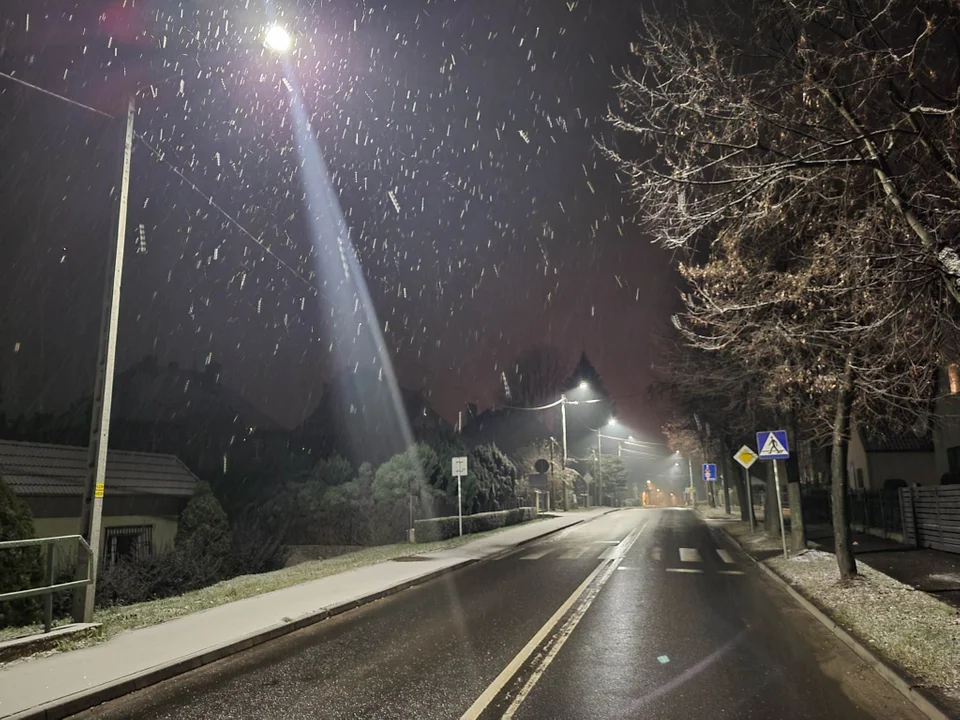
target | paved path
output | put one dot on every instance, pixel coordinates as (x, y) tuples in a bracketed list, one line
[(639, 614), (33, 683)]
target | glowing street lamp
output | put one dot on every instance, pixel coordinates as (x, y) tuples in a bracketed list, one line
[(584, 385), (278, 39)]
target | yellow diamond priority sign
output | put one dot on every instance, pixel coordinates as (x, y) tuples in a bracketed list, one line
[(745, 456)]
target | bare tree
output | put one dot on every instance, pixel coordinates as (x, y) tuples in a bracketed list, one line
[(813, 155), (747, 119)]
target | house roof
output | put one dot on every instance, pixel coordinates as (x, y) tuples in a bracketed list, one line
[(43, 469), (880, 441), (149, 393)]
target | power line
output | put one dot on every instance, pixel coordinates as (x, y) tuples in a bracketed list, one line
[(57, 95)]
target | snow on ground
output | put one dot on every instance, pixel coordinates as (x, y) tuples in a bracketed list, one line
[(907, 627)]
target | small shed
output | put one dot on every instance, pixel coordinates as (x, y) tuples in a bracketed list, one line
[(144, 495)]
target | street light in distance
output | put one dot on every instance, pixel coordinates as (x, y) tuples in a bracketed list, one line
[(278, 39), (584, 385)]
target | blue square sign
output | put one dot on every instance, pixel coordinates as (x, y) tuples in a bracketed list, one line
[(773, 445), (709, 472)]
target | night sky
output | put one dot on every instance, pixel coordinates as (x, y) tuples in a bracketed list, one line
[(461, 140)]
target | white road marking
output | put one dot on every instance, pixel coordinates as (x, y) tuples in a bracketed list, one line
[(488, 695), (685, 570), (731, 572), (656, 554), (690, 555), (575, 553), (725, 556), (535, 556)]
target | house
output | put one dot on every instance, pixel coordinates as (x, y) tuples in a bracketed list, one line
[(360, 418), (145, 494), (184, 412), (946, 429), (880, 460)]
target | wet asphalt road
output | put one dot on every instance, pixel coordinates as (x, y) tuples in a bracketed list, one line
[(673, 624)]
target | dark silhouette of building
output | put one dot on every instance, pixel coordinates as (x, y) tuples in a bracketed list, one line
[(183, 412)]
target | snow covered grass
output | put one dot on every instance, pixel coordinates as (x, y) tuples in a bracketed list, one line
[(907, 627)]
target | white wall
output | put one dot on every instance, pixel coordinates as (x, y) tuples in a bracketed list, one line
[(857, 459), (164, 528), (918, 468)]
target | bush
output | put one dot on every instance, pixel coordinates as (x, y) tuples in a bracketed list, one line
[(21, 568), (258, 539), (445, 528), (411, 472), (203, 536), (134, 580)]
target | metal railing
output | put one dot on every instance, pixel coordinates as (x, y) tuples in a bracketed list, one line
[(49, 571)]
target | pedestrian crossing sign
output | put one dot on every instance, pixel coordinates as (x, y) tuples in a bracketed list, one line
[(773, 445)]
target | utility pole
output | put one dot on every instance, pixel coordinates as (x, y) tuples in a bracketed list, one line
[(91, 513), (693, 490)]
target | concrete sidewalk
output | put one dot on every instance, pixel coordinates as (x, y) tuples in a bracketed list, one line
[(66, 683)]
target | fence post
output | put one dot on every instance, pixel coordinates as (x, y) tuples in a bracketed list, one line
[(936, 500), (883, 517), (48, 598), (913, 513)]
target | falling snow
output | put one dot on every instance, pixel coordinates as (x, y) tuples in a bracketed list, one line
[(454, 141)]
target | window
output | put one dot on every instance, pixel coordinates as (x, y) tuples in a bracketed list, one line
[(953, 378), (953, 459), (132, 541)]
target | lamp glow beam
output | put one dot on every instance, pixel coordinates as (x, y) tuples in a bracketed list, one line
[(278, 39)]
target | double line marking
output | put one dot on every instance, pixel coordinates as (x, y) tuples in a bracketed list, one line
[(585, 594)]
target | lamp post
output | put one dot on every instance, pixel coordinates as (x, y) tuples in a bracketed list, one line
[(584, 385), (600, 436)]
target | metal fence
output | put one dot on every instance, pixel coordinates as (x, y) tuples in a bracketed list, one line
[(932, 517), (51, 585), (877, 509)]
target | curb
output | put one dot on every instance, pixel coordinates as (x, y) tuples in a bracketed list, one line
[(84, 700), (916, 696), (20, 647)]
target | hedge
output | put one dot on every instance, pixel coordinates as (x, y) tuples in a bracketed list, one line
[(443, 528)]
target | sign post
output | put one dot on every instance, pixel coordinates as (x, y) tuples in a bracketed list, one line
[(747, 457), (460, 469), (773, 446), (709, 475)]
